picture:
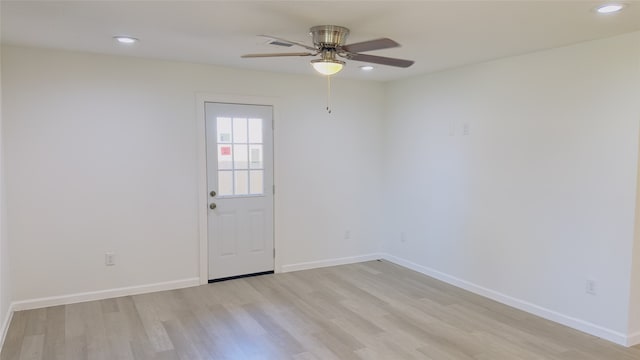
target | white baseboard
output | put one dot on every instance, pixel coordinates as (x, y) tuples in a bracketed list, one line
[(330, 262), (5, 325), (566, 320), (633, 339), (102, 294)]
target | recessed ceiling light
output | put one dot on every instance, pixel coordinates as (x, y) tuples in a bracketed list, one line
[(609, 8), (366, 67), (125, 39)]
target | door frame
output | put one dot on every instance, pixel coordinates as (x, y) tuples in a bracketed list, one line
[(203, 200)]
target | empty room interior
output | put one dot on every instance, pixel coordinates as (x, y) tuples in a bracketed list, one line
[(320, 180)]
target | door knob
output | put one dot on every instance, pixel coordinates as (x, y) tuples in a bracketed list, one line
[(213, 193), (212, 206)]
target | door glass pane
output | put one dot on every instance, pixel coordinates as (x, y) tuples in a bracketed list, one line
[(255, 156), (240, 157), (225, 158), (224, 129), (255, 131), (242, 182), (240, 130), (256, 182), (225, 183)]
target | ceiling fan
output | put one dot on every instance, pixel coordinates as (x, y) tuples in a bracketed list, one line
[(329, 42)]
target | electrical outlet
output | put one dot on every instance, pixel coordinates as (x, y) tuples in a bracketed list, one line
[(347, 234), (590, 287), (403, 237), (109, 259), (465, 129)]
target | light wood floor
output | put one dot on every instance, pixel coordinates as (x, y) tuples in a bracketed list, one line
[(373, 310)]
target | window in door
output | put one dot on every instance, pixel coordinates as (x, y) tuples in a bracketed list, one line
[(240, 157)]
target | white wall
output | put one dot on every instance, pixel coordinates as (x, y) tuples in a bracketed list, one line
[(101, 156), (634, 299), (5, 288), (540, 196)]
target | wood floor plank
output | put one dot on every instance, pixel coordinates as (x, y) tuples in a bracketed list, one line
[(371, 311), (118, 336), (75, 348), (151, 317), (32, 347), (54, 334), (15, 337), (186, 347)]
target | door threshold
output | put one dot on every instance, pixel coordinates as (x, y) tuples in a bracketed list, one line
[(240, 276)]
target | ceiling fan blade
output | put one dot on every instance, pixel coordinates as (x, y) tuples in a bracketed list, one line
[(377, 44), (276, 55), (290, 42), (380, 60)]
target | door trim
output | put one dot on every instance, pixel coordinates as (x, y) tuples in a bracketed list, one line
[(201, 99)]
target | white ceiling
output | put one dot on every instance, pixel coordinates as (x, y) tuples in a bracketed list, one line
[(436, 34)]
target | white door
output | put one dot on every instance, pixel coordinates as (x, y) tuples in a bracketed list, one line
[(240, 189)]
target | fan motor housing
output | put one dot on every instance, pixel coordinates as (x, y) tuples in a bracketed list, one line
[(330, 36)]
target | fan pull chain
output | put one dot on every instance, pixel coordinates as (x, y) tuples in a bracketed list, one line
[(329, 94)]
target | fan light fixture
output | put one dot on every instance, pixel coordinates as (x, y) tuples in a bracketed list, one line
[(328, 66)]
